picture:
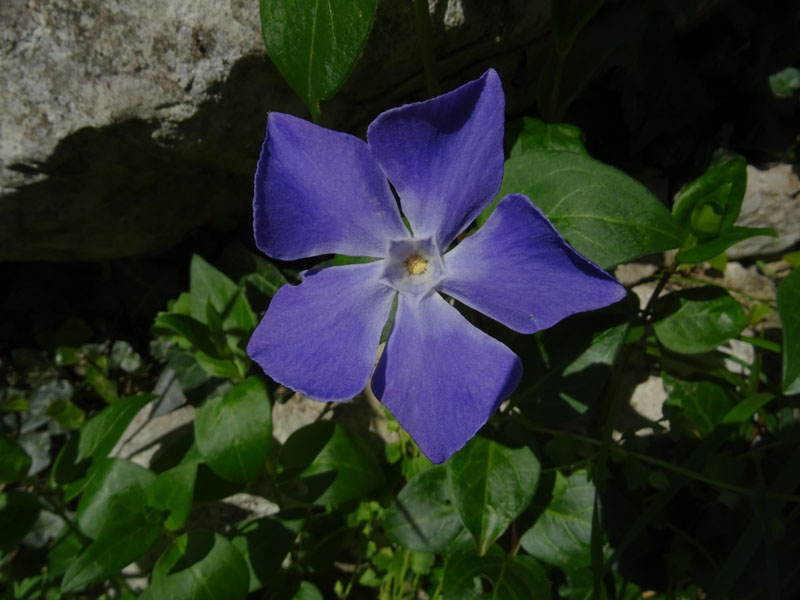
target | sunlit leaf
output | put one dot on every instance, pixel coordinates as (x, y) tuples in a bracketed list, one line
[(491, 485), (698, 320), (315, 44), (591, 203)]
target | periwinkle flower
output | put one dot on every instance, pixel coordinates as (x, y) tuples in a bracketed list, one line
[(318, 192)]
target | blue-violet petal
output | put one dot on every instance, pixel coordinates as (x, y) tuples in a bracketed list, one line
[(518, 270), (321, 337), (441, 377), (319, 191), (444, 156)]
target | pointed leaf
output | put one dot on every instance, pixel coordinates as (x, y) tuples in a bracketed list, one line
[(491, 485), (591, 203), (209, 285), (14, 461), (173, 490), (108, 555), (18, 513), (789, 309), (325, 463), (721, 188), (200, 565), (529, 134), (422, 517), (695, 408), (495, 576), (562, 533), (234, 432), (315, 43), (716, 246), (698, 320)]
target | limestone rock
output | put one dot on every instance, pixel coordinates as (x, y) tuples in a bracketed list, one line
[(772, 200), (126, 124)]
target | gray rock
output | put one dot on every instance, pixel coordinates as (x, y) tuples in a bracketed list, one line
[(126, 124), (772, 200)]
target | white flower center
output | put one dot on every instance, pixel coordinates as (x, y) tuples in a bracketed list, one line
[(412, 266)]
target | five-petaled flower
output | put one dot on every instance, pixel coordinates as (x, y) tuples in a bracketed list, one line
[(318, 192)]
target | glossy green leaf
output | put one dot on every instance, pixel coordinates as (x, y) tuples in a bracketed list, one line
[(192, 330), (116, 497), (495, 576), (529, 134), (234, 432), (209, 285), (712, 202), (789, 310), (422, 516), (105, 387), (491, 485), (591, 203), (264, 543), (745, 409), (709, 249), (14, 461), (561, 381), (695, 408), (307, 591), (173, 490), (95, 439), (200, 565), (324, 463), (315, 44), (108, 555), (698, 320), (562, 532), (18, 513)]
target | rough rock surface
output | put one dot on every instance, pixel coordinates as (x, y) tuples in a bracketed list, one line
[(125, 124), (772, 200)]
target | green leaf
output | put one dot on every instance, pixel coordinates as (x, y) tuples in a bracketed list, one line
[(116, 497), (108, 555), (785, 82), (789, 310), (746, 408), (124, 357), (562, 380), (209, 285), (698, 320), (308, 591), (105, 387), (562, 533), (14, 461), (217, 367), (264, 543), (234, 432), (529, 134), (709, 249), (324, 463), (200, 565), (18, 513), (315, 44), (490, 486), (422, 516), (66, 414), (95, 440), (591, 203), (192, 330), (173, 490), (695, 408), (497, 576), (712, 202)]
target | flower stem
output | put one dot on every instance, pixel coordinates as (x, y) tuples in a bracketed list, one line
[(425, 35)]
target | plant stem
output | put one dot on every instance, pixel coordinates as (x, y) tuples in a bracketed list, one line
[(425, 35)]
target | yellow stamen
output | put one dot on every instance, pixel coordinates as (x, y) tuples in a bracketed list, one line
[(416, 265)]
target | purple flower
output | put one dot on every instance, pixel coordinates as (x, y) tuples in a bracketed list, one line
[(318, 191)]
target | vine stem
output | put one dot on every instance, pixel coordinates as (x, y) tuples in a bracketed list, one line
[(425, 35)]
